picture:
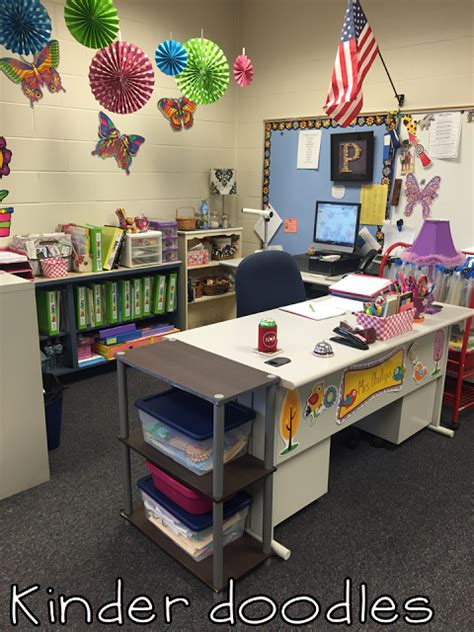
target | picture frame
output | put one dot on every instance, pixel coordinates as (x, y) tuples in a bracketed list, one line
[(352, 157)]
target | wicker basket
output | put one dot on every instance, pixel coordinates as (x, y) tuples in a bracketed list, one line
[(185, 221), (198, 288), (219, 285)]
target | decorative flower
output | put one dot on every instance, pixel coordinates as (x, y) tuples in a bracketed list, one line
[(265, 190), (310, 124), (370, 120), (378, 120), (268, 127), (302, 124), (317, 124), (334, 123), (288, 125), (326, 123), (5, 157), (361, 120), (385, 180), (281, 126), (295, 125)]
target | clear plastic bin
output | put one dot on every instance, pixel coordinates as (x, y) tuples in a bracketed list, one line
[(181, 425), (193, 533)]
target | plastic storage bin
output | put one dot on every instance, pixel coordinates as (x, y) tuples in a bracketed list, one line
[(142, 249), (189, 500), (190, 532), (181, 425)]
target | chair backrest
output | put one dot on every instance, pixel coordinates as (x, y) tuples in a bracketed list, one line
[(266, 280)]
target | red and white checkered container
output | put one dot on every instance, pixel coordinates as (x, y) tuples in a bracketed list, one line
[(54, 267), (389, 327)]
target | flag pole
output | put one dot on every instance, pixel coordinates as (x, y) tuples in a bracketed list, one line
[(399, 97)]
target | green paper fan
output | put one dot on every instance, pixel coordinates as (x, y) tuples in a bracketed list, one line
[(206, 77), (93, 23)]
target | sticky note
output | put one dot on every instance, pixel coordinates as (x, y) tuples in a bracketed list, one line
[(290, 225)]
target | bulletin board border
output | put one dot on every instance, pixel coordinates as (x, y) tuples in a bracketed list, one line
[(389, 119)]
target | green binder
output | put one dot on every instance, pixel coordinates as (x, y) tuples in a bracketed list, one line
[(81, 307), (171, 298), (96, 247), (48, 305), (159, 294), (136, 298), (111, 302), (125, 299), (146, 295), (97, 312)]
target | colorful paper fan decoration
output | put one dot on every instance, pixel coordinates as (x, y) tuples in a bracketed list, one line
[(171, 57), (121, 77), (206, 77), (243, 70), (93, 23), (25, 26)]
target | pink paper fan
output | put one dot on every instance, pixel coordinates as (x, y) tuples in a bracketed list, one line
[(121, 77), (243, 70)]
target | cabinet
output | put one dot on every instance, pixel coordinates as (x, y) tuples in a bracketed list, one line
[(206, 309), (218, 381)]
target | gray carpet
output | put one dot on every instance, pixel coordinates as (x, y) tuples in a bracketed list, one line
[(399, 520)]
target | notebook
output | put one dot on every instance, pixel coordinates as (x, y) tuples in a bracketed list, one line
[(360, 286)]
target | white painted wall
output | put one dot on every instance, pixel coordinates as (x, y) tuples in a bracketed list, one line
[(427, 44), (55, 179)]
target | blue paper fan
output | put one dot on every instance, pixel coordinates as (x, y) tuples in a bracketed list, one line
[(25, 26), (171, 57)]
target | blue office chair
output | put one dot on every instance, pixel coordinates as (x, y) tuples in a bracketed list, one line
[(266, 280)]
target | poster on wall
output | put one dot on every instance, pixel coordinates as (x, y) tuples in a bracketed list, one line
[(361, 383)]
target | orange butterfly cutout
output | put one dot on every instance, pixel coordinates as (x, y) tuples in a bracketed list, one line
[(179, 112)]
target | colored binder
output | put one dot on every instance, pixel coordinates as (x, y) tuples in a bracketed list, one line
[(146, 295), (171, 298), (96, 310), (81, 307), (96, 247), (48, 305), (159, 294), (111, 302), (125, 299), (111, 238), (136, 298)]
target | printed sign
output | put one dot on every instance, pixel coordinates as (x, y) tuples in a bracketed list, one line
[(363, 382)]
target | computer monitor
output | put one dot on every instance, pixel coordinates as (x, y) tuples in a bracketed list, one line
[(336, 226)]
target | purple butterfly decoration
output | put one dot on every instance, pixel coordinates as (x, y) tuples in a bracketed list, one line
[(416, 195)]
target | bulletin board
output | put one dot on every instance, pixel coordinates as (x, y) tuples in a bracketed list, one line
[(455, 196), (293, 192)]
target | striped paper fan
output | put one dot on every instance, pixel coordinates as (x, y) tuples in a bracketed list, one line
[(25, 26), (206, 77), (121, 77), (93, 23)]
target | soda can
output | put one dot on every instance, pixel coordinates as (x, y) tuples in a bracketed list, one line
[(267, 335)]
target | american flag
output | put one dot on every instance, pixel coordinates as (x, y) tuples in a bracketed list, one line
[(355, 54)]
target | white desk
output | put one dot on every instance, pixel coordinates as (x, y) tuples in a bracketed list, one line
[(308, 277), (415, 375)]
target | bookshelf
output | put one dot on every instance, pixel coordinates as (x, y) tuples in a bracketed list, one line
[(69, 331), (206, 309)]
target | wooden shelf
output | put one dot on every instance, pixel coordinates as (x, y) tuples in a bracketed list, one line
[(238, 474), (211, 264), (213, 232), (134, 320), (203, 299), (240, 557), (61, 334)]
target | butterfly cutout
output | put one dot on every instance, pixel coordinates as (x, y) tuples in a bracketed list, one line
[(179, 112), (416, 195), (122, 147), (32, 76)]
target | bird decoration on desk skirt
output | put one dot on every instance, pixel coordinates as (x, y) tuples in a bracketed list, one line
[(315, 401), (349, 399)]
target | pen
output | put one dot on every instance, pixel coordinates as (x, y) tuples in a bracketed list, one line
[(311, 307)]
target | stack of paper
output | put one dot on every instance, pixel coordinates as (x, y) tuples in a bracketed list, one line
[(360, 286)]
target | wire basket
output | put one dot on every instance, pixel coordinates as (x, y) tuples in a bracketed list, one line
[(184, 219)]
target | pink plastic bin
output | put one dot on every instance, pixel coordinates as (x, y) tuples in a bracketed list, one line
[(189, 500)]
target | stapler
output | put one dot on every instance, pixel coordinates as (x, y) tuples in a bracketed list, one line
[(350, 339)]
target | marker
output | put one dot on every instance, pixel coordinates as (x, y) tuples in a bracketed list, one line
[(311, 307)]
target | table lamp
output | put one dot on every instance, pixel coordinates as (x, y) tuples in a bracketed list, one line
[(434, 244), (223, 182)]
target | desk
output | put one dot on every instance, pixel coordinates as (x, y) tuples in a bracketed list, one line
[(317, 282), (404, 376)]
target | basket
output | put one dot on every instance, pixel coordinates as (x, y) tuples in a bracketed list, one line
[(184, 221), (198, 257), (389, 327), (54, 267), (212, 286)]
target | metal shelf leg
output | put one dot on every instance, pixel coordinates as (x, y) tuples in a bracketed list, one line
[(124, 433), (217, 489)]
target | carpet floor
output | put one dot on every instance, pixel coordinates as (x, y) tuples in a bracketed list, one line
[(398, 520)]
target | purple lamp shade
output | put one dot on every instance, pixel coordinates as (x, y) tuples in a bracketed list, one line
[(434, 244)]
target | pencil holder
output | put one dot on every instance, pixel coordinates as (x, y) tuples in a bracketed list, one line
[(389, 327)]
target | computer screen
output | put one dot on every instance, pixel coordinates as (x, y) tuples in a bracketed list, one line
[(336, 226)]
